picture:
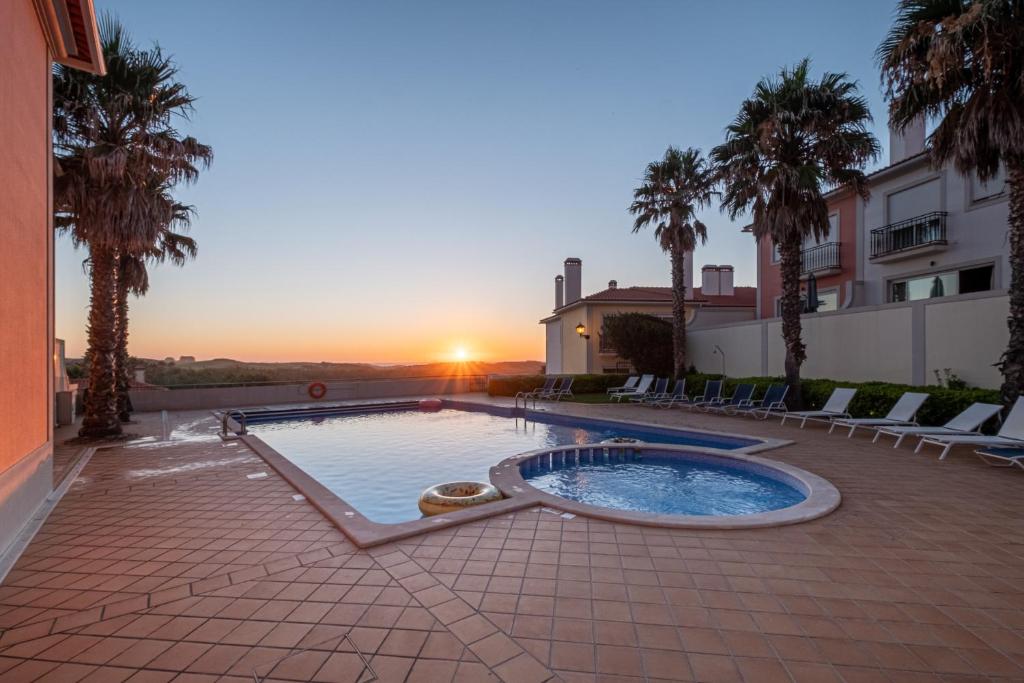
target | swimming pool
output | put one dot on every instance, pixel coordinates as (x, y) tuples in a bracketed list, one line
[(380, 462), (662, 483)]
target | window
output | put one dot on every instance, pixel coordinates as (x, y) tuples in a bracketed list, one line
[(775, 252), (994, 187), (831, 236), (828, 301), (934, 285)]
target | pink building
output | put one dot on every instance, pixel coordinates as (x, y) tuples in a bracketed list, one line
[(36, 33)]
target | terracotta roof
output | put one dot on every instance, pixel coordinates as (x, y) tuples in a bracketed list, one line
[(742, 297)]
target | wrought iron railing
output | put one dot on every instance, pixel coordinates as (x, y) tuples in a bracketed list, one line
[(929, 228), (821, 257)]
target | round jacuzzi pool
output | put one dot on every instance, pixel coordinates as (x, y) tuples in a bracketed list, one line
[(669, 485)]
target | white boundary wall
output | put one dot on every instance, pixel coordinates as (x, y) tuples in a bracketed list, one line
[(903, 343)]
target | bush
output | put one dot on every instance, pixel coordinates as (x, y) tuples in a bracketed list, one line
[(873, 399), (510, 385), (643, 340)]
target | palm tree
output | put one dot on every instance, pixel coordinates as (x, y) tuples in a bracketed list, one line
[(674, 189), (133, 278), (961, 62), (114, 142), (792, 139)]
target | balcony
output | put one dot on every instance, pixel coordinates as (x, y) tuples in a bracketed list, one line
[(821, 260), (915, 236)]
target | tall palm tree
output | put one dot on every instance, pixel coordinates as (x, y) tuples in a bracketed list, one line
[(674, 189), (793, 139), (962, 62), (133, 279), (113, 136)]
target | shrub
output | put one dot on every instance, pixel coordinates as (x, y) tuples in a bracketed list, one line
[(510, 385), (643, 340), (873, 399)]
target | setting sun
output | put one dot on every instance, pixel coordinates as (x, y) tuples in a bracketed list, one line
[(460, 353)]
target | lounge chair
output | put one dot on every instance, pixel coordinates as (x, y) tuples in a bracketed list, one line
[(967, 422), (678, 395), (564, 390), (741, 396), (546, 388), (659, 392), (1002, 457), (1011, 434), (835, 407), (901, 414), (628, 386), (640, 389), (712, 394), (774, 399)]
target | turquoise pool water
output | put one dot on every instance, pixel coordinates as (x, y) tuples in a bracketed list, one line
[(381, 462), (676, 484)]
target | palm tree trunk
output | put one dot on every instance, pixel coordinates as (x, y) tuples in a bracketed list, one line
[(100, 416), (678, 310), (121, 351), (789, 256), (1012, 362)]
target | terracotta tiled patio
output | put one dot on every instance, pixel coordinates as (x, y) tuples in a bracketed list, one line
[(165, 562)]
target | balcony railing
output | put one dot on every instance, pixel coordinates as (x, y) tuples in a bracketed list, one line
[(819, 258), (919, 231)]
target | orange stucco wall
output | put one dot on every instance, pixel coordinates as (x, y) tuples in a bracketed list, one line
[(771, 281), (24, 234)]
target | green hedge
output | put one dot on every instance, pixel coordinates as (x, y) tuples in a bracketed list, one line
[(873, 399), (510, 385)]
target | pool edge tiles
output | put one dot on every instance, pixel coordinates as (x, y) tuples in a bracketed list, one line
[(365, 532), (821, 496)]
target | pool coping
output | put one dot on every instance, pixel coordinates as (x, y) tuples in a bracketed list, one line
[(366, 533), (822, 497)]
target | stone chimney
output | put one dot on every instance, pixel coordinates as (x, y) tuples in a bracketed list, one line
[(709, 280), (725, 279), (613, 284), (906, 143), (573, 280), (559, 291), (140, 375)]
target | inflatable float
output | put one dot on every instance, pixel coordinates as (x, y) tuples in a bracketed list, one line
[(456, 495)]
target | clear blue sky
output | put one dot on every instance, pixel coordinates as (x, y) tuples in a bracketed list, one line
[(394, 179)]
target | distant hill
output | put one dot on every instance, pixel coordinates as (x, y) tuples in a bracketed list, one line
[(229, 371)]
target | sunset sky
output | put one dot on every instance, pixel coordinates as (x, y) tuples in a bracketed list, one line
[(394, 181)]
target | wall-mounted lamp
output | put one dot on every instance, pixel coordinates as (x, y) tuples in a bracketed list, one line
[(581, 330)]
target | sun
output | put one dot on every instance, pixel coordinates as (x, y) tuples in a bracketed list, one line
[(460, 353)]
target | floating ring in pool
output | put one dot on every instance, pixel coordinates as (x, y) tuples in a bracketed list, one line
[(317, 390), (456, 495), (431, 404), (622, 440)]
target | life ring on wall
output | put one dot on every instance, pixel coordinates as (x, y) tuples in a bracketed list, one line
[(456, 495), (317, 390)]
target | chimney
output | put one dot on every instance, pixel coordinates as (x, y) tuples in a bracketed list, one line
[(559, 291), (906, 143), (573, 280), (725, 287), (613, 284), (140, 375), (709, 280)]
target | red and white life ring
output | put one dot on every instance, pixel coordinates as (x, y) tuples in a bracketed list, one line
[(317, 390)]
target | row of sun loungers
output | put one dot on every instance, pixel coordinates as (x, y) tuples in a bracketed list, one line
[(553, 389), (1005, 449)]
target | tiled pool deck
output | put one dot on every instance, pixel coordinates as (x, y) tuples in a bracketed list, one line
[(164, 562)]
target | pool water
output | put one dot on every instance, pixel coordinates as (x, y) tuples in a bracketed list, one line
[(380, 463), (671, 485)]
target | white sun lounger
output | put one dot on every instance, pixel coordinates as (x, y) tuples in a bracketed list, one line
[(1010, 435), (641, 389), (1002, 457), (659, 392), (967, 422), (901, 414), (628, 386), (834, 407)]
